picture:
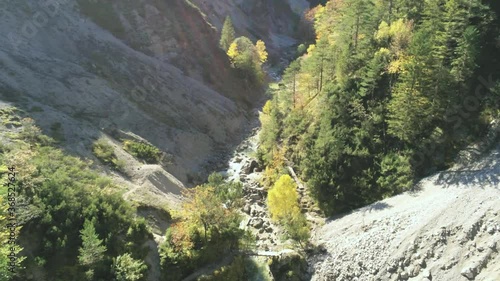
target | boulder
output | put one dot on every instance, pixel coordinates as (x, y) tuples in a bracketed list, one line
[(426, 274), (255, 197), (469, 272), (249, 167), (257, 223)]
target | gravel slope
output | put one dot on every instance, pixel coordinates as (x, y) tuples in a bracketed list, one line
[(449, 229)]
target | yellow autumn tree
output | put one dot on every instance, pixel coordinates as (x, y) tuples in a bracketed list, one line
[(232, 52), (283, 199), (246, 59), (261, 50), (284, 207)]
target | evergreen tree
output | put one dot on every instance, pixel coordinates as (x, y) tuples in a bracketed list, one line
[(370, 105), (91, 253), (228, 34), (126, 268)]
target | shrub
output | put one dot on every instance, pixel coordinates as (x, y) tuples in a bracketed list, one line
[(104, 151), (120, 165), (143, 151)]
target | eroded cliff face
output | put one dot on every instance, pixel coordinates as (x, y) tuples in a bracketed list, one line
[(275, 22), (152, 68)]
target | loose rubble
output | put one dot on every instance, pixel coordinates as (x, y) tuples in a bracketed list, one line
[(449, 229)]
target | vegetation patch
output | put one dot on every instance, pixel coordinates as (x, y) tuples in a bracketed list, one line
[(106, 153), (386, 95), (77, 226), (289, 267), (204, 230), (143, 151), (284, 208), (242, 268)]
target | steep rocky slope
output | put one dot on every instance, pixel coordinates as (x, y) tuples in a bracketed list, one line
[(448, 228), (78, 74), (151, 69), (275, 22)]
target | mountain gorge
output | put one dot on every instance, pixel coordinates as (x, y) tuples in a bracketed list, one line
[(101, 79), (135, 145)]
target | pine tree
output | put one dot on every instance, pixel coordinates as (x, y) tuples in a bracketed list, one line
[(92, 249), (126, 268), (290, 77), (228, 34)]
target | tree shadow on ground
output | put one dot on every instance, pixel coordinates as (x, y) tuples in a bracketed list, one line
[(374, 207), (485, 172)]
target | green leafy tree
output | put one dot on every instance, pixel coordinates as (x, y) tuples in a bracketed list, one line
[(204, 229), (230, 193), (248, 59)]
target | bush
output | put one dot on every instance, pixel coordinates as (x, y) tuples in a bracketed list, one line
[(104, 151), (120, 165), (143, 151), (301, 49), (57, 132)]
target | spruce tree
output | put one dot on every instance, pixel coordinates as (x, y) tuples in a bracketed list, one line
[(228, 34), (92, 249)]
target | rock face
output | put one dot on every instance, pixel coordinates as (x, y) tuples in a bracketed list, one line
[(448, 229), (94, 72), (271, 21), (250, 167), (152, 68)]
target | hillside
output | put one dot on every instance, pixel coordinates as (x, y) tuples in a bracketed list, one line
[(133, 67), (135, 101), (447, 228), (284, 140)]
